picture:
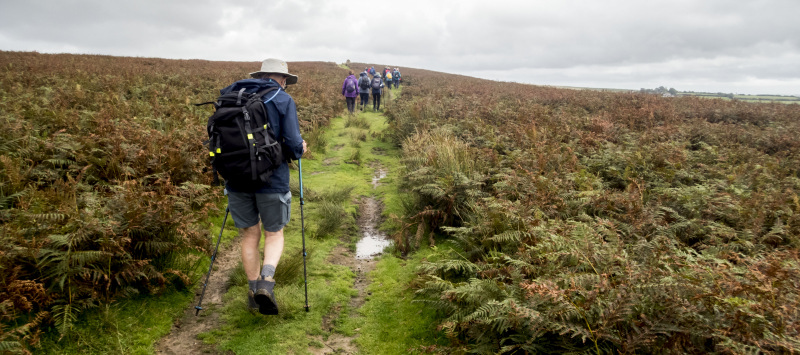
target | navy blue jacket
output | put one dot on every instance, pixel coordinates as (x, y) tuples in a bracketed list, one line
[(282, 116)]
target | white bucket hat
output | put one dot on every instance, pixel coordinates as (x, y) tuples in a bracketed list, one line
[(276, 66)]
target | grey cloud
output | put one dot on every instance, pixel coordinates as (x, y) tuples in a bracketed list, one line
[(617, 42), (624, 32), (115, 25)]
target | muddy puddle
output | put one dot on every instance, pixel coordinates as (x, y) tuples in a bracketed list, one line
[(373, 241), (376, 178), (371, 245)]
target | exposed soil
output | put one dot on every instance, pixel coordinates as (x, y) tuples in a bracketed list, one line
[(378, 151), (182, 339), (368, 220)]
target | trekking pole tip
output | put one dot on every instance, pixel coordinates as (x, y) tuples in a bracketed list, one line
[(306, 307)]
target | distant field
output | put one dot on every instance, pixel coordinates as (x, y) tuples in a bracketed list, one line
[(748, 98), (597, 89)]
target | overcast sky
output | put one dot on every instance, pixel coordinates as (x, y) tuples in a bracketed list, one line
[(734, 46)]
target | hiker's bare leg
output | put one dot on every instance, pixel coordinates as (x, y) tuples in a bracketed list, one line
[(251, 259), (273, 247)]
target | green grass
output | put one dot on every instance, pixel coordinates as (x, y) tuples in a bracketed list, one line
[(391, 322), (122, 328), (247, 333)]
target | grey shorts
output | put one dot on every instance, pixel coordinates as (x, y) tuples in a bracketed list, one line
[(273, 209)]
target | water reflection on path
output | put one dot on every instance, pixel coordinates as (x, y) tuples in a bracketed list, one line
[(373, 241)]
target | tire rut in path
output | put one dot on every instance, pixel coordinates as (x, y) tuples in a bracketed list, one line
[(182, 338), (369, 217)]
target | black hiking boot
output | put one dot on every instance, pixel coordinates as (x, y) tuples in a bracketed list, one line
[(265, 297), (252, 306)]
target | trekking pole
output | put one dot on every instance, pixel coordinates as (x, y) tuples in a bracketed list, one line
[(213, 257), (303, 228)]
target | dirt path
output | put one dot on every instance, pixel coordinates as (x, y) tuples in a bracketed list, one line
[(369, 216), (182, 339)]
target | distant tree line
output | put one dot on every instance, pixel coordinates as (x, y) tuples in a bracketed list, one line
[(661, 90)]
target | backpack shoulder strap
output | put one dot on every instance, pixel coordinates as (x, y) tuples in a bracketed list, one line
[(206, 103), (261, 93), (258, 99)]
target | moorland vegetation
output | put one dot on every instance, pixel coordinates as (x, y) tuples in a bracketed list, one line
[(597, 222), (566, 220), (104, 180)]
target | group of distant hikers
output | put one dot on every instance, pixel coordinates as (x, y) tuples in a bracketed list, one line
[(361, 87)]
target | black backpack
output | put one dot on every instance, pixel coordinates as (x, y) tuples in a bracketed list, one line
[(363, 82), (241, 143)]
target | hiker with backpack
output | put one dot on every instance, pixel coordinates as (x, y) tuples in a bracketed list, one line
[(350, 91), (251, 135), (396, 78), (388, 79), (363, 90), (377, 85)]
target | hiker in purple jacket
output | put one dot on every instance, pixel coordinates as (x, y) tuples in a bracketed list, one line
[(350, 91)]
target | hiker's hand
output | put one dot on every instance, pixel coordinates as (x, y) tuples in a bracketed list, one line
[(305, 146)]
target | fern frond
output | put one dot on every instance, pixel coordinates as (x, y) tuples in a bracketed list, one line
[(7, 201), (441, 267), (520, 264), (493, 313), (49, 217), (86, 257), (155, 247), (59, 163), (570, 329), (59, 240), (64, 316), (511, 236), (431, 190), (11, 347)]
